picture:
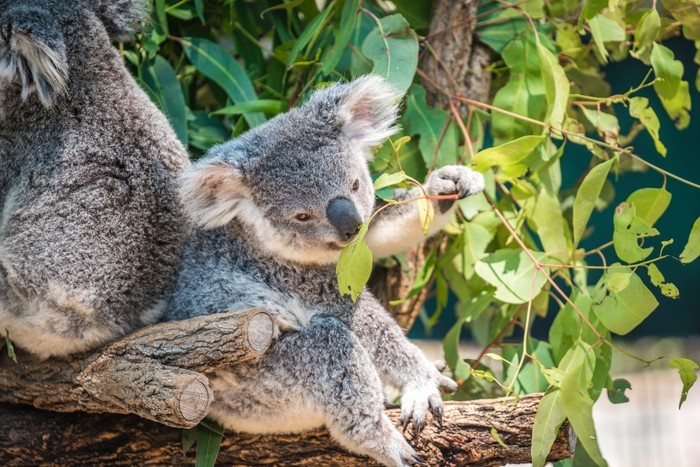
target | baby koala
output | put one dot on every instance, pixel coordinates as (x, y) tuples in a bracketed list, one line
[(273, 210)]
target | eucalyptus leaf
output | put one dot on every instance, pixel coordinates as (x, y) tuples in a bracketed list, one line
[(646, 33), (587, 196), (692, 247), (640, 109), (512, 272), (214, 62), (623, 310), (556, 86), (161, 78), (603, 30), (511, 156), (628, 229), (208, 445), (354, 266), (650, 203), (687, 370), (393, 48)]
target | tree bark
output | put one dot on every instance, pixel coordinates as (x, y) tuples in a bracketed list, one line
[(156, 372), (33, 437)]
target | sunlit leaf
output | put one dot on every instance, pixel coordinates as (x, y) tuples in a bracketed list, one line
[(692, 248), (650, 203), (389, 179), (512, 272), (628, 229), (604, 29), (556, 86), (657, 278), (645, 34), (686, 369), (578, 405), (511, 156), (670, 87), (354, 266), (459, 369), (268, 106), (308, 34), (393, 47), (586, 197), (639, 108), (623, 310)]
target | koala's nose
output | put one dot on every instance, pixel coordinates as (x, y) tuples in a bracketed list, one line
[(344, 217)]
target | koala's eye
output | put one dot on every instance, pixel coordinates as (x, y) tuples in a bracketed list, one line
[(355, 185), (303, 217)]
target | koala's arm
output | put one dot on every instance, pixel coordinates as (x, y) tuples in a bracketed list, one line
[(398, 362), (399, 227)]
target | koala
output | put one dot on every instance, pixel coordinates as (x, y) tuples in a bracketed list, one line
[(91, 228), (273, 209)]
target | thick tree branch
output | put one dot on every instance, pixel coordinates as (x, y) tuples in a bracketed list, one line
[(33, 437), (156, 372)]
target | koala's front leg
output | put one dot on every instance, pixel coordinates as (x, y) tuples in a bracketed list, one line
[(400, 363), (398, 228)]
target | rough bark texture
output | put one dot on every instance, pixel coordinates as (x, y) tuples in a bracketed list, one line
[(457, 63), (32, 437), (156, 373)]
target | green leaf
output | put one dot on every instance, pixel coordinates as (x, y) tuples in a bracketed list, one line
[(646, 33), (623, 310), (692, 248), (393, 47), (199, 6), (497, 437), (524, 93), (686, 369), (476, 239), (268, 106), (639, 108), (311, 31), (657, 278), (628, 228), (428, 123), (460, 370), (668, 69), (592, 8), (586, 198), (550, 415), (604, 29), (511, 156), (10, 347), (556, 86), (387, 179), (616, 390), (671, 89), (354, 266), (606, 124), (512, 273), (578, 405), (208, 444), (348, 20), (426, 213), (650, 203), (161, 79), (544, 214), (215, 63), (189, 438)]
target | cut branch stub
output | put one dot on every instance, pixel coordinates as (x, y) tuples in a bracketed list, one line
[(155, 373)]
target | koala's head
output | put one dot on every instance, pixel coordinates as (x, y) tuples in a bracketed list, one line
[(299, 183), (36, 38)]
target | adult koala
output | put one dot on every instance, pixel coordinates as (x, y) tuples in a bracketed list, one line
[(90, 228), (275, 207)]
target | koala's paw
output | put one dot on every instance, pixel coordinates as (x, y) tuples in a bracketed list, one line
[(419, 398), (396, 451), (454, 179)]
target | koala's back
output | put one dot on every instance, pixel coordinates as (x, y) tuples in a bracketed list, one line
[(91, 228)]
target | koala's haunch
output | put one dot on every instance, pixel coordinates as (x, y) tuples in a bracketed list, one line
[(274, 208), (90, 224)]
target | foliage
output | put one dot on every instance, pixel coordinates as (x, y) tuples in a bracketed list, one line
[(217, 68)]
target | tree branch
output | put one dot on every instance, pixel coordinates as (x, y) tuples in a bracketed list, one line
[(156, 372), (33, 437)]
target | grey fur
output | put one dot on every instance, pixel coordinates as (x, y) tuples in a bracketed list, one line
[(90, 227), (329, 362)]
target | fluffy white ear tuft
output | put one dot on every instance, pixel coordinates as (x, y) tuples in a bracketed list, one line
[(212, 192), (369, 110)]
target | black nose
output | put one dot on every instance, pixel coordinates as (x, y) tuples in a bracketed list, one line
[(344, 217)]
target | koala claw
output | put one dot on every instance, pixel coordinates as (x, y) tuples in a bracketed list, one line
[(416, 402), (454, 179)]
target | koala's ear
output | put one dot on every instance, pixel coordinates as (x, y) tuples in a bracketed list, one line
[(33, 51), (211, 192), (368, 110), (121, 18)]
